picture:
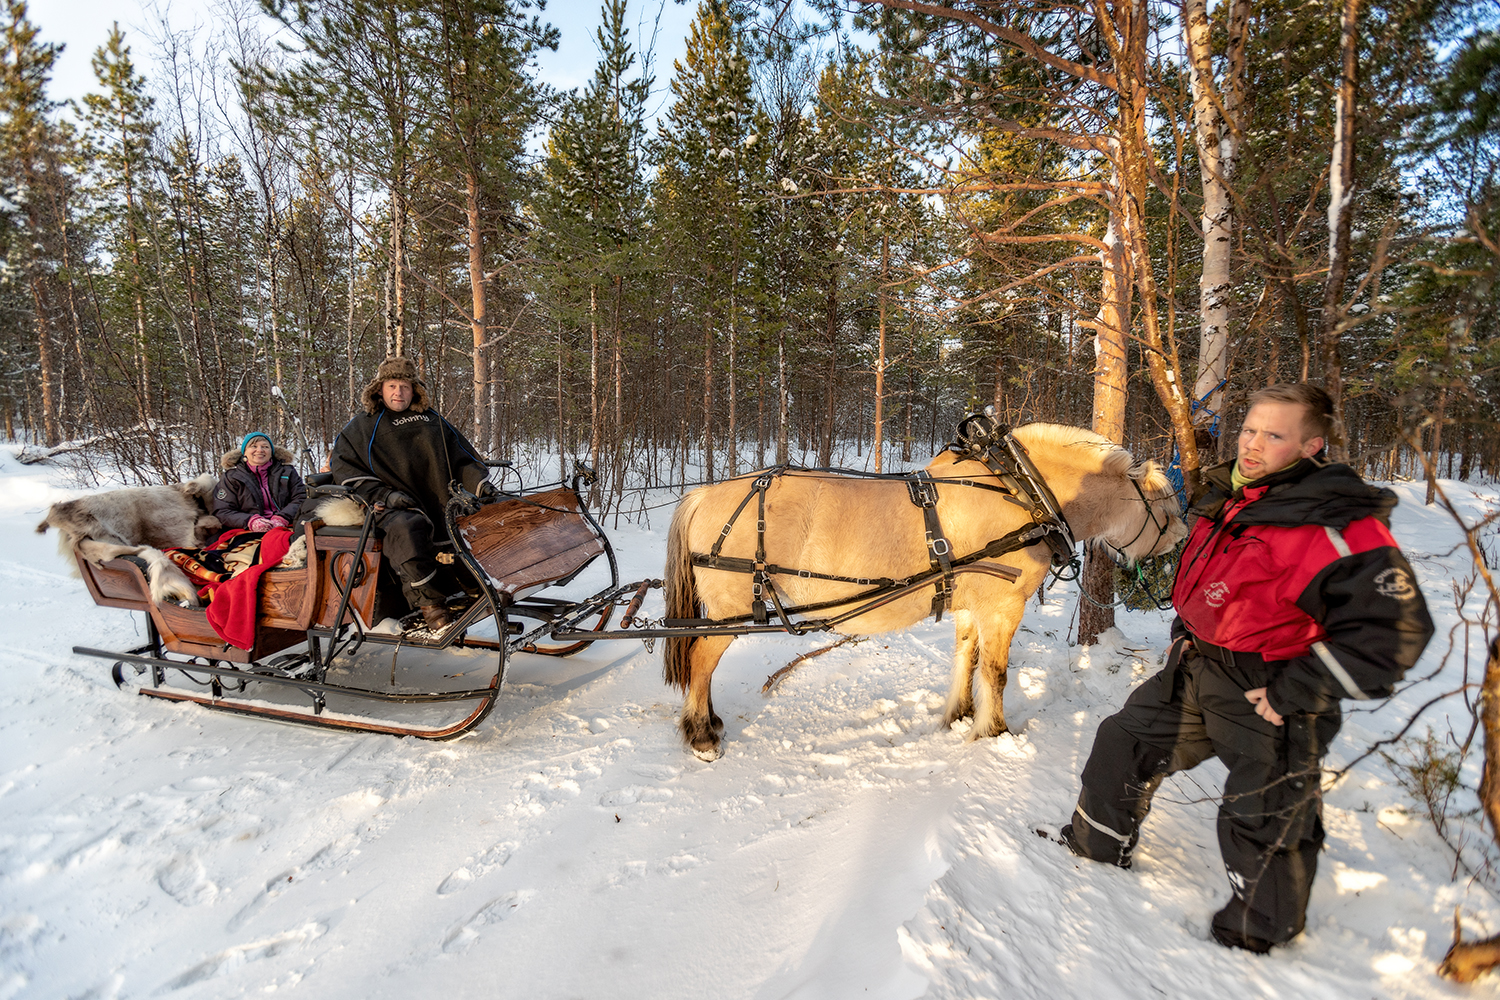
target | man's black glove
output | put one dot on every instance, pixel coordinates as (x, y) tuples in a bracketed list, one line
[(486, 491), (396, 500)]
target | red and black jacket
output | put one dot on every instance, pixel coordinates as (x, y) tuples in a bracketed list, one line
[(1301, 568)]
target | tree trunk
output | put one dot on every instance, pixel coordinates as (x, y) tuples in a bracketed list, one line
[(51, 433), (1217, 136), (783, 399), (732, 446), (1095, 611), (477, 318), (617, 460), (1437, 446), (831, 311), (1466, 961), (885, 272), (595, 431), (562, 420), (1340, 215), (708, 389)]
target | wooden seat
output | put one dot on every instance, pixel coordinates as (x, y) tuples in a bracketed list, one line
[(291, 600), (525, 544)]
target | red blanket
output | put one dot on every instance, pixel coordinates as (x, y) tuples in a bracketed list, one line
[(229, 572)]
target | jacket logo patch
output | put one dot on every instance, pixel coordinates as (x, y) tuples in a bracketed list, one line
[(222, 494), (1396, 583), (1215, 593)]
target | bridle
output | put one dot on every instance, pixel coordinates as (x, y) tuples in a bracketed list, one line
[(1116, 553)]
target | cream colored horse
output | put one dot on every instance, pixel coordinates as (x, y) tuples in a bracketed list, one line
[(868, 528)]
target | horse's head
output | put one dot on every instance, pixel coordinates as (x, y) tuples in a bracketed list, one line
[(1147, 524), (1128, 508)]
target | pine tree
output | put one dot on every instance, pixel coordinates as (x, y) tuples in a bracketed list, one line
[(592, 212), (705, 192), (119, 140), (36, 195)]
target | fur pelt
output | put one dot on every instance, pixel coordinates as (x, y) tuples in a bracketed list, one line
[(343, 512), (139, 521)]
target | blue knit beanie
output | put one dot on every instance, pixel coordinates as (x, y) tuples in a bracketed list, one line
[(245, 441)]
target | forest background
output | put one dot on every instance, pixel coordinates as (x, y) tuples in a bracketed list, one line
[(854, 221)]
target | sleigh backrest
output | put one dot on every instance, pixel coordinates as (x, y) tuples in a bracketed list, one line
[(527, 543)]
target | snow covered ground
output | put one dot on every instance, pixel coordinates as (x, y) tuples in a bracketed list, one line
[(845, 845)]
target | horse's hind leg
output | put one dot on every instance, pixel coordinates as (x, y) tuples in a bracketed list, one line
[(965, 657), (701, 728)]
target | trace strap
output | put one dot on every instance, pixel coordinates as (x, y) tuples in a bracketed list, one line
[(922, 489)]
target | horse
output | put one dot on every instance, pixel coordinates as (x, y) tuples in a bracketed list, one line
[(866, 528), (139, 521)]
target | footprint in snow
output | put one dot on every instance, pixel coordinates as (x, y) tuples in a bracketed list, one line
[(679, 863), (631, 794), (461, 938), (476, 868), (277, 884), (185, 880), (232, 958)]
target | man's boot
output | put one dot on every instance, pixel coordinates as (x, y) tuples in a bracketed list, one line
[(437, 616)]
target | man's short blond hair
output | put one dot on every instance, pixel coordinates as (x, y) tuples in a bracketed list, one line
[(1317, 406)]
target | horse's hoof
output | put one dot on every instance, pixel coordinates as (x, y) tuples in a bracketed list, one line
[(709, 754), (978, 733)]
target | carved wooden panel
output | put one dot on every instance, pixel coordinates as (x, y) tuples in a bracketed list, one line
[(283, 592), (525, 543), (115, 584)]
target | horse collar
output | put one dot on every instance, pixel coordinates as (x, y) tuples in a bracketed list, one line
[(984, 439)]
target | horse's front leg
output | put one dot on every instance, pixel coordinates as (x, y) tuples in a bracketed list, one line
[(701, 728), (965, 657), (996, 629)]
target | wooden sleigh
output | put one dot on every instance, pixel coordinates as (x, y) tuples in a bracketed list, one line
[(315, 658)]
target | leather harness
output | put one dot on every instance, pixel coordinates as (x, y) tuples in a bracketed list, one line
[(980, 438)]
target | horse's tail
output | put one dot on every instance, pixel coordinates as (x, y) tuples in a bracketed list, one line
[(681, 591)]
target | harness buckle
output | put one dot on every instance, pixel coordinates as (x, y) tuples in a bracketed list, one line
[(939, 546), (922, 491)]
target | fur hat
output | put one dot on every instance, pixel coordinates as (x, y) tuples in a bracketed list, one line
[(395, 368)]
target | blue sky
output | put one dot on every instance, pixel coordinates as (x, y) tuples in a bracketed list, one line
[(83, 25)]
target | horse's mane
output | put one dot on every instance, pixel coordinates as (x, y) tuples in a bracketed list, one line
[(1113, 459)]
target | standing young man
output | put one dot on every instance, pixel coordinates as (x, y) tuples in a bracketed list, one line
[(1290, 595)]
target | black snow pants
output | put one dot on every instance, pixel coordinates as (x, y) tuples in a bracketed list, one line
[(1270, 821), (408, 546)]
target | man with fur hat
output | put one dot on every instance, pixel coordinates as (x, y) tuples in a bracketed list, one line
[(401, 453)]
